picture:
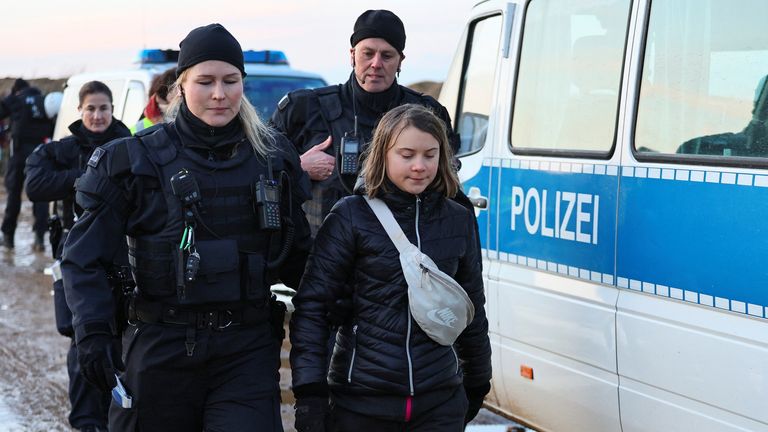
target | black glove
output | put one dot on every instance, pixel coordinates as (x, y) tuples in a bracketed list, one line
[(475, 396), (311, 414), (277, 311), (99, 358)]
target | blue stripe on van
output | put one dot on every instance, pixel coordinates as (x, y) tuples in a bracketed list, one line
[(696, 236), (683, 234)]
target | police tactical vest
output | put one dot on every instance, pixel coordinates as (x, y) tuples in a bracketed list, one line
[(233, 250)]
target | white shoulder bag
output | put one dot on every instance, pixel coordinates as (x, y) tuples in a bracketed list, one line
[(438, 303)]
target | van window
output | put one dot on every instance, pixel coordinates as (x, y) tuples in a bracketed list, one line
[(569, 78), (264, 91), (477, 83), (135, 101), (703, 88)]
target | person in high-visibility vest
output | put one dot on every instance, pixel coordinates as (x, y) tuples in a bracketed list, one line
[(158, 101)]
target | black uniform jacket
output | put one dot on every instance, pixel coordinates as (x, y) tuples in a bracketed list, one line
[(131, 203), (381, 356), (29, 124), (52, 169)]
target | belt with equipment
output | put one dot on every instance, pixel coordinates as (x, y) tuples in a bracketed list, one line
[(217, 319)]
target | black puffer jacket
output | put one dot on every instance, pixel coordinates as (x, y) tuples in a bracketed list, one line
[(382, 357)]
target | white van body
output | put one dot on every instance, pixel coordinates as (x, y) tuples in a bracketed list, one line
[(617, 155), (266, 82)]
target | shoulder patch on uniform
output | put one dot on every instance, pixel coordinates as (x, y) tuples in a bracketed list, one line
[(284, 102), (96, 157)]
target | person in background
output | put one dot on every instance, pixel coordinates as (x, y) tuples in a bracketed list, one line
[(52, 170), (29, 128), (386, 373), (332, 126), (210, 203), (158, 101)]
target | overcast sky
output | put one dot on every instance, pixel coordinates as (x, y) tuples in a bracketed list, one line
[(58, 38)]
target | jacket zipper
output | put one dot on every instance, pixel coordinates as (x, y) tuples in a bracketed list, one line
[(456, 357), (408, 336), (354, 352)]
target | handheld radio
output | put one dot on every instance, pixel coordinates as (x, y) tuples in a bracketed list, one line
[(184, 186), (350, 152), (266, 201)]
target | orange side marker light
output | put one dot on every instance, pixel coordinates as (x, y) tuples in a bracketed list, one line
[(526, 372)]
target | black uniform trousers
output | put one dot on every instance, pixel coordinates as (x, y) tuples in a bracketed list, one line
[(229, 383), (445, 417), (14, 183)]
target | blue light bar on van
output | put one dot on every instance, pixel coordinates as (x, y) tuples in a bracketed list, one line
[(151, 56), (265, 56), (154, 56)]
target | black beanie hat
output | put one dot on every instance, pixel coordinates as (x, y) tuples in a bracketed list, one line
[(379, 24), (19, 84), (211, 42)]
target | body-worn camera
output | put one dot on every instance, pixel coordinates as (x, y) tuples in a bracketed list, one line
[(267, 203), (184, 186), (350, 153)]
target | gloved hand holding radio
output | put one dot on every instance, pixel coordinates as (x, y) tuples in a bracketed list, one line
[(99, 358), (317, 163), (475, 396)]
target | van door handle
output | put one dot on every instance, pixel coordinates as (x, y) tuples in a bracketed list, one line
[(476, 199)]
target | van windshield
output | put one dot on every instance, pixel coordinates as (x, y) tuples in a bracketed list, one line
[(264, 92)]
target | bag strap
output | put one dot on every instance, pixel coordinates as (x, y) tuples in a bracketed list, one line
[(387, 219)]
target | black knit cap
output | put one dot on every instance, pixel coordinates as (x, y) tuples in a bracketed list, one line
[(211, 42), (379, 24)]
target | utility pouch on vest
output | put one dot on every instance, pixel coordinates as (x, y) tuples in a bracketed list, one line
[(154, 266), (256, 288), (438, 304), (218, 278)]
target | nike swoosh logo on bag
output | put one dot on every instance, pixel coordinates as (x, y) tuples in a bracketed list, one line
[(444, 316)]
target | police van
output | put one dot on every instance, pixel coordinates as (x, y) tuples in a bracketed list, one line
[(616, 152), (269, 77)]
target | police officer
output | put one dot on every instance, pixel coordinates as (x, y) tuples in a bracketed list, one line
[(29, 127), (211, 206), (331, 126), (52, 170)]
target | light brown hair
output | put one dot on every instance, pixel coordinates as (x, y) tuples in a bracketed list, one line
[(385, 136)]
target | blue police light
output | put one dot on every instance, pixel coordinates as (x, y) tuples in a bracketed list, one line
[(154, 56), (265, 56), (150, 56)]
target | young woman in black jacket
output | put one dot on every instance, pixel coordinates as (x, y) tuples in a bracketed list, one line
[(385, 372)]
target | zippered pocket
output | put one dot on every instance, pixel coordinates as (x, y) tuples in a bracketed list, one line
[(354, 353), (456, 357)]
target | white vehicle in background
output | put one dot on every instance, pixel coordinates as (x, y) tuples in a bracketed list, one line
[(269, 78), (617, 155)]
